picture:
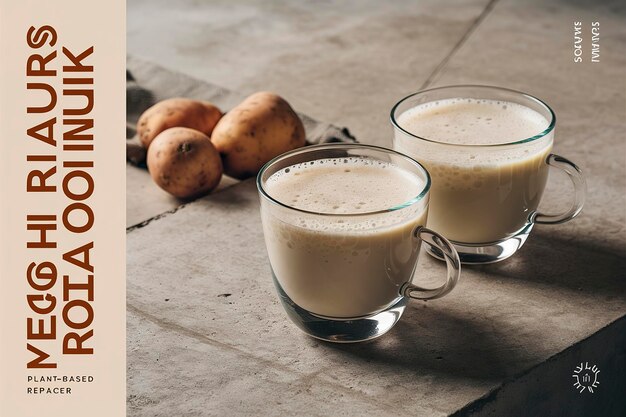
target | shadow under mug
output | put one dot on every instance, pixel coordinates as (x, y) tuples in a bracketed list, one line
[(347, 277), (484, 198)]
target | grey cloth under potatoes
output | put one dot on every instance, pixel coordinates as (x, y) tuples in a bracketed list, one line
[(147, 83)]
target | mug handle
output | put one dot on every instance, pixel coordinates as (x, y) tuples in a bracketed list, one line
[(580, 189), (453, 265)]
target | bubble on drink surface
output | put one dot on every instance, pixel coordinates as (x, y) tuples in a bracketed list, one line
[(486, 123), (471, 121), (372, 187)]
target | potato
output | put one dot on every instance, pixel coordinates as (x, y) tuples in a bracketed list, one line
[(184, 162), (263, 126), (177, 112)]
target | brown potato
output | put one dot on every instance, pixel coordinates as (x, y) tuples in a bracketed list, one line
[(184, 162), (263, 126), (177, 112)]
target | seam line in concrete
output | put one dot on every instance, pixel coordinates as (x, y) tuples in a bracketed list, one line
[(439, 68), (172, 211), (153, 218)]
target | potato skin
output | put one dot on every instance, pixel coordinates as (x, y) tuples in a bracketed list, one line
[(263, 126), (177, 112), (184, 162)]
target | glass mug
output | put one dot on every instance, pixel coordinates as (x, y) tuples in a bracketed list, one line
[(347, 277), (485, 196)]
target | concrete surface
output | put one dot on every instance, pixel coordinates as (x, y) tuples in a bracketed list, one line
[(344, 62), (506, 340), (207, 335)]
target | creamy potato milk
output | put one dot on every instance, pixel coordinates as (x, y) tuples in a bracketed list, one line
[(350, 263), (479, 194)]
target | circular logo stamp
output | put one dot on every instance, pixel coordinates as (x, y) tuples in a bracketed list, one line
[(586, 377)]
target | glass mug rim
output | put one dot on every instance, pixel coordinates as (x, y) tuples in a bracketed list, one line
[(332, 146), (543, 104)]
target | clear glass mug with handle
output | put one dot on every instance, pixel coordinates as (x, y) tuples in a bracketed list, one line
[(486, 189), (347, 277)]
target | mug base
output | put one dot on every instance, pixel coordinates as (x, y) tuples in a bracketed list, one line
[(486, 253), (338, 330)]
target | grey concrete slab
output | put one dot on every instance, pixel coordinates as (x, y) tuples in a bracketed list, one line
[(344, 62), (179, 372), (193, 279)]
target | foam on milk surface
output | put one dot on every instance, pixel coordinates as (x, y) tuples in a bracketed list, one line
[(479, 194), (466, 121), (344, 186)]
